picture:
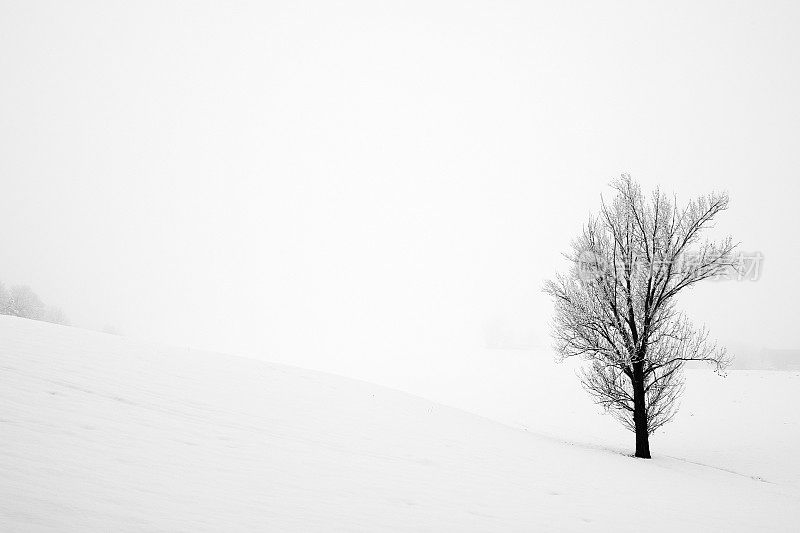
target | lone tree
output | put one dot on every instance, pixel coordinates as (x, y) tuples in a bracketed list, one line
[(615, 306)]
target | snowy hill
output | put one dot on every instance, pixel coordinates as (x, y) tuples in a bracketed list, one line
[(745, 423), (101, 433)]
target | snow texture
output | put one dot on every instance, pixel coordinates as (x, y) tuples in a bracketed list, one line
[(101, 433)]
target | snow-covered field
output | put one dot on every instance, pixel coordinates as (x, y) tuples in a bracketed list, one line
[(101, 433), (747, 422)]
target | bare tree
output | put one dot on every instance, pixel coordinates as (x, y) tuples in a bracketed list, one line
[(615, 306)]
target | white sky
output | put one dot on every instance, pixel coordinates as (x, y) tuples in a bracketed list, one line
[(334, 183)]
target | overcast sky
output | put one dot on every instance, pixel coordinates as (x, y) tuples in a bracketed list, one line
[(329, 182)]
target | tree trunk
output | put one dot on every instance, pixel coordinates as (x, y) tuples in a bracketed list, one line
[(640, 412)]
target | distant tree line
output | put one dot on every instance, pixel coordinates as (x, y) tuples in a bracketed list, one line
[(21, 301)]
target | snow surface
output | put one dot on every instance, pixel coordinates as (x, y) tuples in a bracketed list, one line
[(101, 433), (746, 423)]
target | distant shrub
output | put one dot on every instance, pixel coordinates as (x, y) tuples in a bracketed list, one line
[(55, 315), (111, 330)]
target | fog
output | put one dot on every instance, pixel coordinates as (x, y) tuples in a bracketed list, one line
[(353, 186)]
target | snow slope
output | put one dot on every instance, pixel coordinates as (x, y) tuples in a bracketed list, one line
[(746, 423), (100, 433)]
